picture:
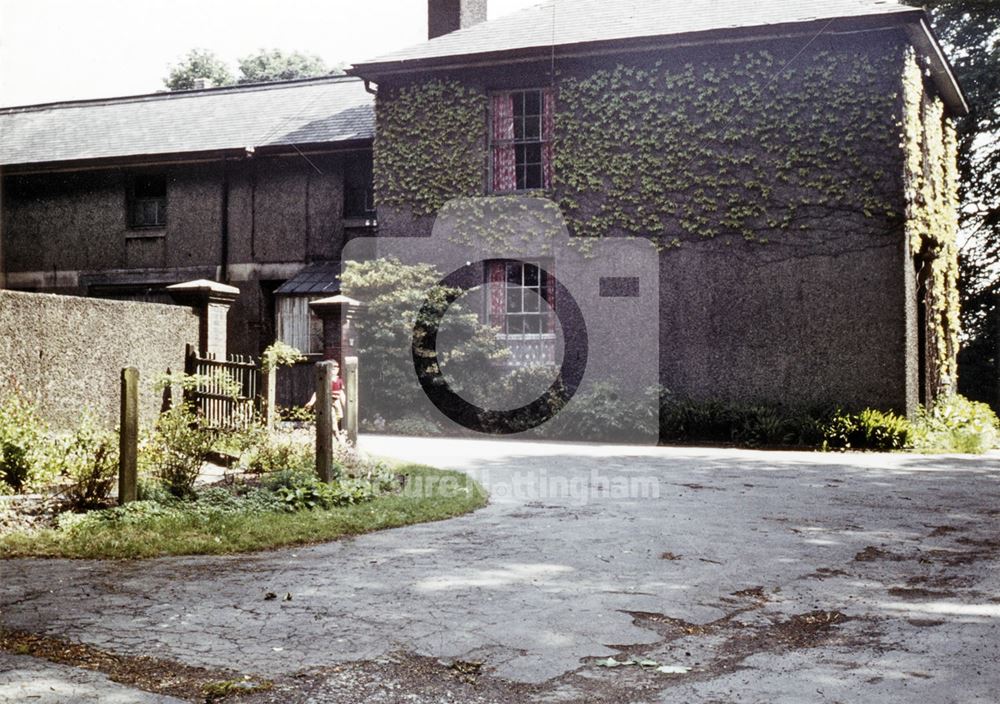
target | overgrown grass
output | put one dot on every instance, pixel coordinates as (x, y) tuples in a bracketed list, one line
[(428, 495)]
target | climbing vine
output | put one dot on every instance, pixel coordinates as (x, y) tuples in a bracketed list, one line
[(429, 145), (716, 149), (733, 150), (931, 175), (524, 223)]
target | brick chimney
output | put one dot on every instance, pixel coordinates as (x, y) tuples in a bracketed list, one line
[(445, 16)]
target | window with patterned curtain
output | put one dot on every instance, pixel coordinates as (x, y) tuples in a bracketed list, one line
[(521, 140)]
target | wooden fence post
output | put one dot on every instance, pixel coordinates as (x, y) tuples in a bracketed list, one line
[(271, 394), (351, 412), (190, 368), (324, 421), (128, 436)]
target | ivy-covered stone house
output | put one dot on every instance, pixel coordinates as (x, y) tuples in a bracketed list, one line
[(794, 162), (258, 186)]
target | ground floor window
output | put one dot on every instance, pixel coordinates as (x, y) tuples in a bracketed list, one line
[(518, 310)]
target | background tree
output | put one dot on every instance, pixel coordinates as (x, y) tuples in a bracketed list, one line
[(277, 65), (198, 63), (970, 30)]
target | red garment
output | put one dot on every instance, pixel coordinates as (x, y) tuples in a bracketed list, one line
[(336, 386)]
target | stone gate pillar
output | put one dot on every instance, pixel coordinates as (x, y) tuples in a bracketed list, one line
[(211, 300)]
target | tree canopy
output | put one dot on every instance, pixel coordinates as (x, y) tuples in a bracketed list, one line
[(970, 31), (198, 63), (277, 65), (259, 67)]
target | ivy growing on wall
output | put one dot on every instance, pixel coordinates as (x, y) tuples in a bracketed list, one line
[(734, 149), (931, 177), (429, 145), (737, 149)]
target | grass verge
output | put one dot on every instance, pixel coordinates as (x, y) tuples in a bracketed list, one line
[(427, 495)]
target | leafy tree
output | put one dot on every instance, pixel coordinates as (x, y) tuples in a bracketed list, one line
[(970, 31), (277, 65), (198, 63), (394, 295)]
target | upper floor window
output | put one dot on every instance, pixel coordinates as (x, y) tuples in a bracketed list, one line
[(522, 127), (359, 196), (148, 202)]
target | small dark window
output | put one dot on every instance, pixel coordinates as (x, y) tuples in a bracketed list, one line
[(359, 196), (148, 204)]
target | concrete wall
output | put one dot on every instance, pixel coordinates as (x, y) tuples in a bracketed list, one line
[(66, 353), (781, 324)]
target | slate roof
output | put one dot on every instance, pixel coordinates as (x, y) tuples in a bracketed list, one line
[(330, 109), (565, 22), (321, 277)]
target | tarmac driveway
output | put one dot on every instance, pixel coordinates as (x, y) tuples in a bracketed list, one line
[(733, 575)]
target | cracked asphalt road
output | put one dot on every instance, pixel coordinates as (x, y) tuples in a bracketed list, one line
[(770, 577)]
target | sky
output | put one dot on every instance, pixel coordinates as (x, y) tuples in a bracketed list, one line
[(54, 50)]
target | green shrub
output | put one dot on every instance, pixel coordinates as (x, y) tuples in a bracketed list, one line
[(207, 504), (757, 424), (868, 430), (287, 478), (26, 455), (307, 492), (150, 489), (177, 448), (686, 420), (763, 424), (513, 387), (394, 295), (215, 499), (509, 389), (885, 430), (88, 460), (240, 441), (297, 414), (956, 424), (600, 413), (279, 451), (133, 513), (280, 354), (414, 425)]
